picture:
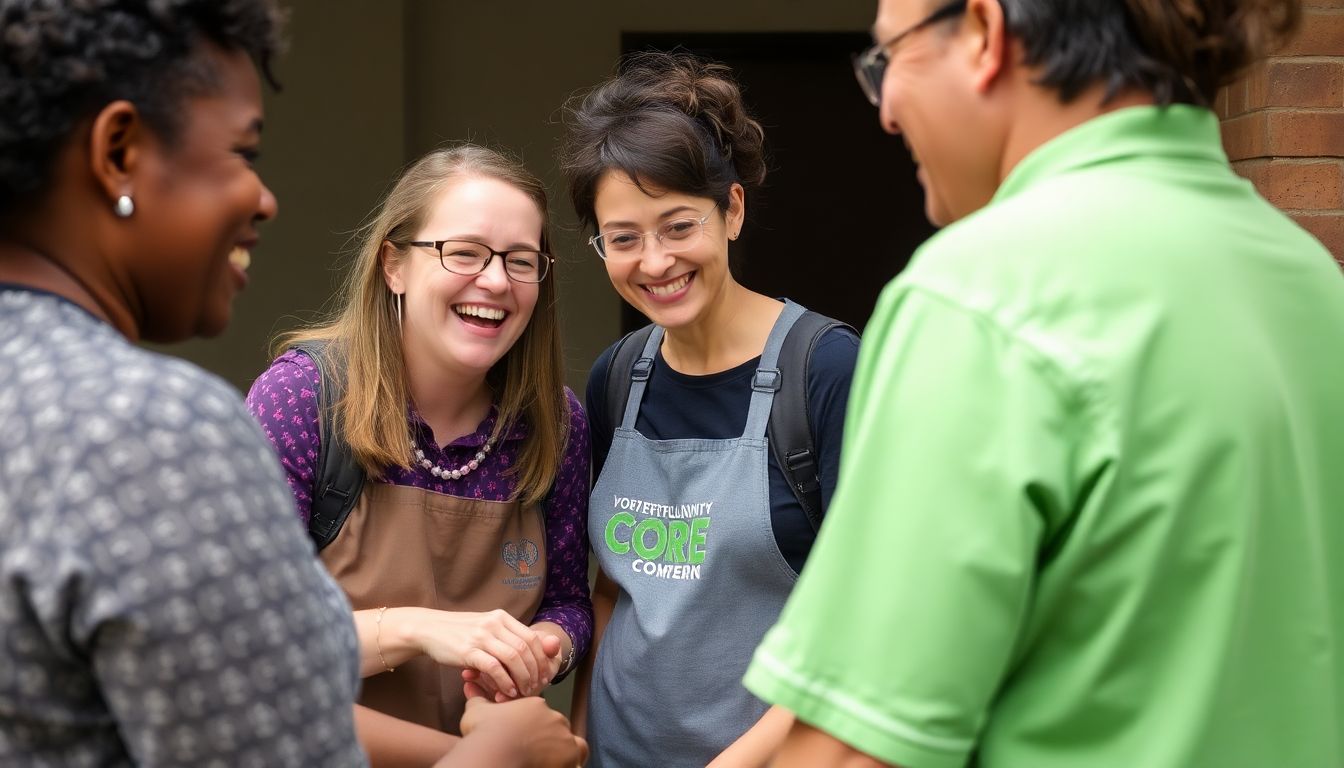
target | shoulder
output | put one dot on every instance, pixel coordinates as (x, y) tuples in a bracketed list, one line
[(293, 370), (578, 419), (131, 430), (597, 374), (835, 353), (596, 395)]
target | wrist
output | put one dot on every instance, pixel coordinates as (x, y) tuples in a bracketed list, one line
[(404, 630), (566, 658)]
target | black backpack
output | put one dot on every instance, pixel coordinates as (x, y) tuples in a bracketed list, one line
[(790, 427), (339, 478)]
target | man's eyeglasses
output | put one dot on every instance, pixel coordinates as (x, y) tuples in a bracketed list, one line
[(675, 235), (871, 65), (467, 257)]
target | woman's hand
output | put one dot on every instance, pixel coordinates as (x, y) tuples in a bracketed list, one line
[(518, 734), (554, 642), (514, 658)]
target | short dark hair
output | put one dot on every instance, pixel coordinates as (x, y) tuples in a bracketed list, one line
[(1181, 52), (61, 61), (671, 121)]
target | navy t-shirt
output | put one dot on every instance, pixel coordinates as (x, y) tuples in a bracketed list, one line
[(714, 406)]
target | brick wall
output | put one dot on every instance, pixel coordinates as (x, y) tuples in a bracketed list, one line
[(1283, 124)]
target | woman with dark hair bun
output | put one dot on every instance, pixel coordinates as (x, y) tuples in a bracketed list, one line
[(698, 533), (1095, 431)]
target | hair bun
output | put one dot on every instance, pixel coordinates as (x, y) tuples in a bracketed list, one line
[(706, 92)]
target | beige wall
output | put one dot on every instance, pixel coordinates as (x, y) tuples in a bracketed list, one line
[(332, 139), (497, 72), (369, 86)]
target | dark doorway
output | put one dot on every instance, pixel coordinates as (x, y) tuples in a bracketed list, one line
[(841, 211)]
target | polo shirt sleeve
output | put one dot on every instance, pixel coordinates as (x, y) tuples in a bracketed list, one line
[(955, 464)]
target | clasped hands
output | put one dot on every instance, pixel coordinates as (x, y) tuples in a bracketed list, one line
[(501, 658)]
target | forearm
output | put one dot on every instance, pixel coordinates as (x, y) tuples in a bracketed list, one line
[(566, 601), (754, 748), (805, 747), (395, 743), (396, 636), (604, 602)]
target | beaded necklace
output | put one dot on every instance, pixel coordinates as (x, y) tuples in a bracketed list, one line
[(452, 474)]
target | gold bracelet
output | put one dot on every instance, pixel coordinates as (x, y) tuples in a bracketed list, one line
[(378, 638)]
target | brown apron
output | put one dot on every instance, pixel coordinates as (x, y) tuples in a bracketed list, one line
[(412, 547)]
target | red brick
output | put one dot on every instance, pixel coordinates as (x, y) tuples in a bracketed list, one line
[(1246, 136), (1305, 133), (1237, 103), (1326, 227), (1295, 185), (1290, 83), (1336, 4), (1321, 34)]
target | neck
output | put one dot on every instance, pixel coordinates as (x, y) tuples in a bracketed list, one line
[(732, 330), (22, 263), (1042, 118), (452, 404)]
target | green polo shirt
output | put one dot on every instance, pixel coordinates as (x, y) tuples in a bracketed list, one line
[(1091, 503)]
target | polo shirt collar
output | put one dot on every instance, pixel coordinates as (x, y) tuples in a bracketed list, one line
[(1145, 132)]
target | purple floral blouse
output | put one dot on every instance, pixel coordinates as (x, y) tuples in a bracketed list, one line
[(284, 400)]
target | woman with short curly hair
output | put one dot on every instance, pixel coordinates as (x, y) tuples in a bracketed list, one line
[(153, 587)]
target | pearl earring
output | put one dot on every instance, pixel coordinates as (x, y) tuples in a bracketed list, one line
[(124, 207)]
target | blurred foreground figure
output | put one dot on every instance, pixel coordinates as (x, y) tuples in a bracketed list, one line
[(1089, 509)]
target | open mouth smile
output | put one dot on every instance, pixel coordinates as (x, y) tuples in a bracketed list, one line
[(670, 287), (480, 315)]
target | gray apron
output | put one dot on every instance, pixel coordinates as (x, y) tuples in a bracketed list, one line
[(683, 528)]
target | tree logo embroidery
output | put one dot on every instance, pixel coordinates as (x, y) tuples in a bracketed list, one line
[(521, 555)]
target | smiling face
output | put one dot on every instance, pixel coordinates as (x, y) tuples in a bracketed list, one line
[(676, 289), (464, 324), (198, 200)]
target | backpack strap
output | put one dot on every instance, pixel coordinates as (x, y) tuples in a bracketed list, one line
[(622, 371), (790, 431), (339, 478), (790, 428)]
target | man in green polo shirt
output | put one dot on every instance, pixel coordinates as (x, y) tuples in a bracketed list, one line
[(1091, 507)]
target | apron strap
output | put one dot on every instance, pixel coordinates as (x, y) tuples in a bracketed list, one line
[(639, 377), (767, 380)]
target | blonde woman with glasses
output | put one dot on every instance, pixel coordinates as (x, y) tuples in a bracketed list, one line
[(465, 555), (698, 534)]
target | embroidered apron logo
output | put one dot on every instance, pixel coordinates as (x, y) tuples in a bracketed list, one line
[(670, 541), (521, 555)]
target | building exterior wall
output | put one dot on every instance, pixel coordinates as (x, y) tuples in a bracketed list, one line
[(1283, 125)]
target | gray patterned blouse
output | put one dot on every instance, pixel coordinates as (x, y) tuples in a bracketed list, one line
[(159, 603)]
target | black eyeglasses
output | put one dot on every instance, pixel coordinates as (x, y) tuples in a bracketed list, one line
[(467, 257), (871, 65)]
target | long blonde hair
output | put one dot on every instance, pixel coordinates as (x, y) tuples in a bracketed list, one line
[(365, 335)]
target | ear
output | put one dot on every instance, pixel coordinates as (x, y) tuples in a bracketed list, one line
[(116, 148), (988, 39), (392, 263), (737, 210)]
